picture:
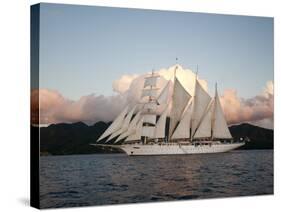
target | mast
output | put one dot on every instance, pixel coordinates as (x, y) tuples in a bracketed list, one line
[(180, 99), (182, 130), (161, 125), (204, 127), (214, 112), (149, 113), (194, 96), (219, 128), (172, 101), (202, 102), (147, 127)]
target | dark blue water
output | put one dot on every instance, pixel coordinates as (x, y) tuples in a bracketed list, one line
[(83, 180)]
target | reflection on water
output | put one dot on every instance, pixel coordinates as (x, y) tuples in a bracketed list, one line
[(82, 180)]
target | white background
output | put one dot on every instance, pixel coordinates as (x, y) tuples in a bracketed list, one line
[(14, 103)]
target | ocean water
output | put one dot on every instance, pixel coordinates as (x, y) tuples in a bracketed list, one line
[(84, 180)]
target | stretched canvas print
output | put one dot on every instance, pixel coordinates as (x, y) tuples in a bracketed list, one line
[(134, 105)]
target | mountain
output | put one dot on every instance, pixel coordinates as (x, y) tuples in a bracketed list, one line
[(260, 138), (66, 139)]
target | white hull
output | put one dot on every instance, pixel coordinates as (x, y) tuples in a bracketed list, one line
[(177, 149)]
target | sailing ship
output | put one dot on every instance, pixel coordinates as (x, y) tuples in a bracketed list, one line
[(196, 123)]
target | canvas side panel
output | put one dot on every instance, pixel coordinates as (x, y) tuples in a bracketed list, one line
[(34, 107)]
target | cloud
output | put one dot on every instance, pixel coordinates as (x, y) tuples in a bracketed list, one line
[(257, 110), (135, 82), (265, 123), (123, 84), (54, 108), (45, 103), (132, 85), (268, 90)]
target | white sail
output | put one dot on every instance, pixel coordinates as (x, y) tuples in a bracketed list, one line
[(183, 128), (148, 131), (179, 102), (115, 125), (125, 125), (131, 128), (161, 125), (136, 135), (149, 92), (204, 128), (150, 81), (220, 128), (201, 102), (163, 96), (149, 118), (150, 106)]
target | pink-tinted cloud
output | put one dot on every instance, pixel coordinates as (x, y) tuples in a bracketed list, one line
[(257, 110), (54, 108)]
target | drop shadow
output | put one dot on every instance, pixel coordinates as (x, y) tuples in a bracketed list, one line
[(24, 201)]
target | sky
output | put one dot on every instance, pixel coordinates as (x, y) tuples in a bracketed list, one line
[(85, 51)]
